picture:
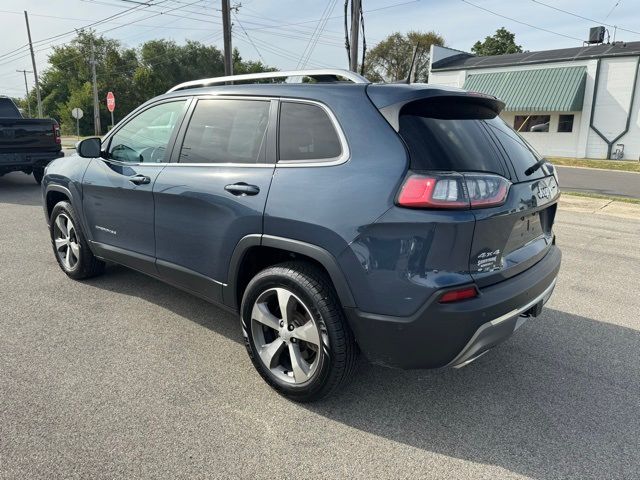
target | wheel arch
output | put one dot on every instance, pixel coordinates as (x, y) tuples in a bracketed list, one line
[(256, 252), (55, 194)]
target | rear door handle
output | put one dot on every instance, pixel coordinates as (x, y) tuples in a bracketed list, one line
[(140, 180), (242, 188)]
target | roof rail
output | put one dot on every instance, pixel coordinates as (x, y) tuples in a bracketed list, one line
[(329, 72)]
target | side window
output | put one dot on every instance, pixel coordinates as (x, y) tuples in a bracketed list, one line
[(144, 138), (306, 133), (531, 123), (226, 131)]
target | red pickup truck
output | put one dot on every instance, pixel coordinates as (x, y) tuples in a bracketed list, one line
[(26, 144)]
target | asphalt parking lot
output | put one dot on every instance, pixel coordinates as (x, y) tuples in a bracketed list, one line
[(125, 377)]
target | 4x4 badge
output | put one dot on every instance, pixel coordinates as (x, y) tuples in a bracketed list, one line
[(544, 192)]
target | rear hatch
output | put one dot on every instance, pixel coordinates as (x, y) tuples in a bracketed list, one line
[(463, 156)]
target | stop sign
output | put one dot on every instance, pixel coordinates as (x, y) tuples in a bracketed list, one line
[(111, 101)]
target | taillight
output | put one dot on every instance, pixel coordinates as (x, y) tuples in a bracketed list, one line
[(56, 134), (457, 295), (453, 190)]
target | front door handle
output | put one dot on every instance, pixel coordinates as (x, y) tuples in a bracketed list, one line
[(242, 189), (140, 180)]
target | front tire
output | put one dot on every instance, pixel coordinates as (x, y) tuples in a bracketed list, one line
[(295, 331), (70, 246)]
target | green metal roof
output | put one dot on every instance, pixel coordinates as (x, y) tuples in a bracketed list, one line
[(540, 90)]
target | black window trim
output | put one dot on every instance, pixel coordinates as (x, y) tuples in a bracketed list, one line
[(106, 142), (269, 157), (345, 153)]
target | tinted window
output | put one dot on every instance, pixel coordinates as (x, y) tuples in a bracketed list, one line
[(8, 109), (226, 131), (565, 123), (306, 133), (449, 138), (519, 152), (144, 138), (448, 135)]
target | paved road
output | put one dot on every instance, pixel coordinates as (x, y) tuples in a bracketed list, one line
[(124, 377), (605, 182)]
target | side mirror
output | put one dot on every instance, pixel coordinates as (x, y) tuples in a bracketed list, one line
[(89, 147)]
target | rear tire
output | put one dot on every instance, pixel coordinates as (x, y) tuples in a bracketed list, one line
[(309, 351), (38, 173), (70, 246)]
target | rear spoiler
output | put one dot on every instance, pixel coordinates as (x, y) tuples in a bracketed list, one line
[(391, 103)]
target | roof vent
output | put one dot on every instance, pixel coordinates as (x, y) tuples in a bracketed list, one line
[(596, 35)]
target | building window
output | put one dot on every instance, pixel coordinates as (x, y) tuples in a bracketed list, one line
[(531, 123), (565, 123)]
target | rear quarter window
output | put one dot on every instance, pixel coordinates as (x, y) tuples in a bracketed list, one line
[(307, 133)]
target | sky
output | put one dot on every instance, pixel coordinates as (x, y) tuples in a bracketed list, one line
[(280, 32)]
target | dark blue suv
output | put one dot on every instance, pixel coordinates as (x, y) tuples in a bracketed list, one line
[(408, 222)]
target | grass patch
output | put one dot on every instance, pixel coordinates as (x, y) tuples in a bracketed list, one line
[(603, 197), (625, 166), (69, 141)]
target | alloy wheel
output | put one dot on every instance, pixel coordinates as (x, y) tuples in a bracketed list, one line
[(66, 241), (286, 336)]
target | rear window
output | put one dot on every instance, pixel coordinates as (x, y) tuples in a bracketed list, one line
[(519, 152), (448, 135), (8, 109)]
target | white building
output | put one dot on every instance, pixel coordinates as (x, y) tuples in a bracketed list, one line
[(573, 102)]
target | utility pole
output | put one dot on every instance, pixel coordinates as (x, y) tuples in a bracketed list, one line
[(33, 62), (226, 27), (96, 105), (26, 88), (355, 29)]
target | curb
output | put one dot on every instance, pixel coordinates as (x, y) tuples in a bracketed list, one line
[(594, 168)]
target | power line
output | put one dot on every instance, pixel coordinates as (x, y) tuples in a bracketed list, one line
[(584, 18), (334, 33), (283, 53), (51, 45), (520, 22), (313, 40), (612, 9), (119, 14), (248, 37)]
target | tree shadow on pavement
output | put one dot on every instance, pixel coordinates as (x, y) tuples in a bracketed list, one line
[(18, 188), (559, 399)]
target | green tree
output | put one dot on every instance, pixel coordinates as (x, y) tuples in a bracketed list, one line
[(390, 60), (503, 41), (66, 84)]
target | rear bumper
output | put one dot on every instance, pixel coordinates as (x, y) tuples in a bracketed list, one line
[(26, 160), (455, 334)]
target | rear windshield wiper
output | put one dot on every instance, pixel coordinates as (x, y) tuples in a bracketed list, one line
[(535, 166)]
